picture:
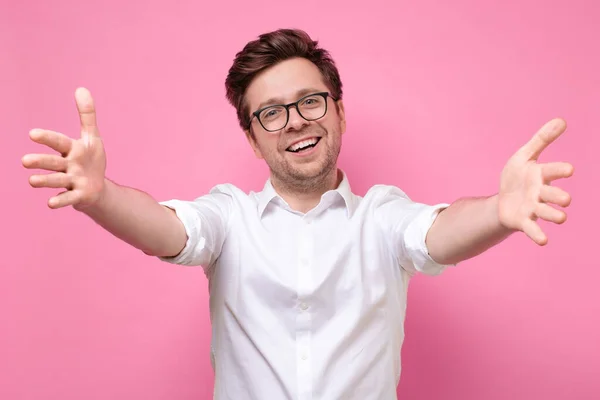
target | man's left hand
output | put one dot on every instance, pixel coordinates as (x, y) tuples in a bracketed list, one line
[(526, 193)]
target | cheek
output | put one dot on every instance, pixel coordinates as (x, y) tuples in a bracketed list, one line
[(271, 145)]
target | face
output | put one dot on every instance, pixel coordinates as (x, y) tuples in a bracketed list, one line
[(284, 83)]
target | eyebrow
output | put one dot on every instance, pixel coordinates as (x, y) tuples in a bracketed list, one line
[(278, 100)]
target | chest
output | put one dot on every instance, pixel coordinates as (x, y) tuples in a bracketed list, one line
[(332, 263)]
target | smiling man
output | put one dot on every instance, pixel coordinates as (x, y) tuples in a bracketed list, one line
[(302, 161), (308, 281)]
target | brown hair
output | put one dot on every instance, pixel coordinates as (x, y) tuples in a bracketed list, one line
[(269, 49)]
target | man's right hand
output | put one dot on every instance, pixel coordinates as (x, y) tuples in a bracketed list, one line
[(80, 164)]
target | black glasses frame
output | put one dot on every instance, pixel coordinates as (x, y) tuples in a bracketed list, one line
[(295, 104)]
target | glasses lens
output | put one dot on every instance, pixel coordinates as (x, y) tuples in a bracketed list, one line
[(312, 107), (273, 118)]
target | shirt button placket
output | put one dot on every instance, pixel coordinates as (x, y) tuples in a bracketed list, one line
[(303, 319)]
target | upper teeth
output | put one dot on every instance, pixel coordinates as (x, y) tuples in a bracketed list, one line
[(303, 143)]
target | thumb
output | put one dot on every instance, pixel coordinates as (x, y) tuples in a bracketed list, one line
[(87, 112)]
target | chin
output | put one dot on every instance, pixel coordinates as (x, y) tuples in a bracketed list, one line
[(313, 170)]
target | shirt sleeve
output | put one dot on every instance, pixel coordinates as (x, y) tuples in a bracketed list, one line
[(406, 223), (206, 221)]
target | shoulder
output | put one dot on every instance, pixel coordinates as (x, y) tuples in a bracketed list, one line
[(381, 193), (228, 189), (234, 197)]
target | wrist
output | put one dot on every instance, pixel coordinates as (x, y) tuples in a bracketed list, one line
[(504, 221), (100, 202)]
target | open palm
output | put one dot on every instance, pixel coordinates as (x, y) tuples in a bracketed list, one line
[(80, 164), (526, 191)]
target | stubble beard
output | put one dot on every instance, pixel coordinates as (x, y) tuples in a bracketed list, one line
[(293, 179)]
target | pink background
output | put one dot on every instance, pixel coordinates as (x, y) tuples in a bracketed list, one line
[(438, 96)]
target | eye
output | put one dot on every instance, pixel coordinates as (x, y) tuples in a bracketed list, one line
[(270, 113), (312, 101)]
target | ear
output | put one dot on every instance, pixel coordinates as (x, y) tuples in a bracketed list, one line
[(342, 115), (253, 144)]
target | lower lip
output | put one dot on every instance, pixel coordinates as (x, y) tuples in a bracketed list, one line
[(306, 153)]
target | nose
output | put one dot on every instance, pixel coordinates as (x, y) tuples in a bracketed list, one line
[(295, 122)]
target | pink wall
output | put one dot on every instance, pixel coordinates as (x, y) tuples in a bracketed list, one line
[(438, 96)]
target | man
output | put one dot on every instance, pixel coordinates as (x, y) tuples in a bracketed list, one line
[(308, 281)]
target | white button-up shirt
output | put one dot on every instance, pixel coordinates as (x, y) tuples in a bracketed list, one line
[(307, 305)]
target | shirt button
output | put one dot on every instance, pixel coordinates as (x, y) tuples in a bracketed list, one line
[(304, 356), (304, 306)]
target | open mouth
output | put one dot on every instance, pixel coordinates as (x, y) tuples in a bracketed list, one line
[(303, 145)]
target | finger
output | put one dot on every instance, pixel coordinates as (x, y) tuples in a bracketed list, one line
[(556, 170), (64, 199), (547, 134), (55, 140), (50, 162), (555, 195), (87, 112), (535, 233), (57, 180), (548, 213)]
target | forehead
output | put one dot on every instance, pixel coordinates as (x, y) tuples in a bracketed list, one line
[(283, 81)]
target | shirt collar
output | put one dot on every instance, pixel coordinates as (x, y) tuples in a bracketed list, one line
[(268, 194)]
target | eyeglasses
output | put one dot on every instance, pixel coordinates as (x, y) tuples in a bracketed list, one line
[(274, 118)]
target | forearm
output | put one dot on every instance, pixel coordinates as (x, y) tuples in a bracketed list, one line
[(465, 229), (136, 218)]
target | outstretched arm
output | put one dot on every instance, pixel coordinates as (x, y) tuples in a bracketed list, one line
[(79, 169), (470, 226)]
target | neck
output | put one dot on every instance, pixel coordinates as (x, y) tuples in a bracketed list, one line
[(305, 196)]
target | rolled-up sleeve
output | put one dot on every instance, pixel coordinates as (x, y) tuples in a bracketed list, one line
[(205, 220), (406, 224)]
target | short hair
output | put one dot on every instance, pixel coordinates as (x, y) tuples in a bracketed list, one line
[(266, 51)]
